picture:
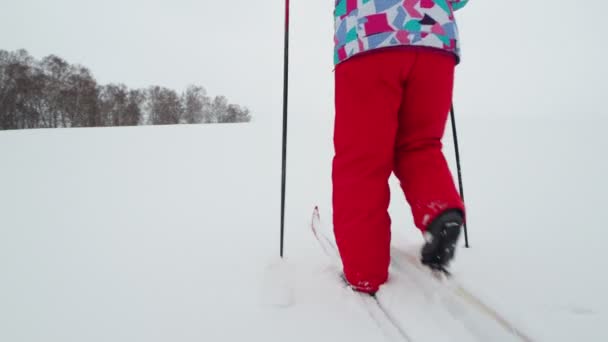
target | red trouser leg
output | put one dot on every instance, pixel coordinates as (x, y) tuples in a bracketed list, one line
[(419, 161), (368, 97), (375, 134)]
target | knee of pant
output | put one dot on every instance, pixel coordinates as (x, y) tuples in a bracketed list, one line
[(365, 160), (420, 144)]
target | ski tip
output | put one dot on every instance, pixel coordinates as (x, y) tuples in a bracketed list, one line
[(315, 213), (315, 220)]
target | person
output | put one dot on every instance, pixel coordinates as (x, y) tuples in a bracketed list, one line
[(394, 74)]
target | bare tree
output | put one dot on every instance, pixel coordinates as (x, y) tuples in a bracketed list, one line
[(20, 86), (133, 115), (53, 93), (219, 108), (164, 106), (234, 113), (57, 72), (195, 104), (112, 103), (79, 99)]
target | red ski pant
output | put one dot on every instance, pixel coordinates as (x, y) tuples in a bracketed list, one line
[(391, 113)]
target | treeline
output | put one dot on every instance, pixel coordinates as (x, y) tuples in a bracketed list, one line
[(51, 93)]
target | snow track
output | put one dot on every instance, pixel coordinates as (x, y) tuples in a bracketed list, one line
[(374, 308), (457, 300), (418, 305)]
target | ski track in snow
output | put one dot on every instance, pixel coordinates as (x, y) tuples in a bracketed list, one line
[(439, 309), (482, 321), (375, 310)]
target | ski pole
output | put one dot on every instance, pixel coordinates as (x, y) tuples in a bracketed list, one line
[(284, 163), (453, 119)]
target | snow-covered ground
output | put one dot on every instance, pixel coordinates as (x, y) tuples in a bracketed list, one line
[(171, 233)]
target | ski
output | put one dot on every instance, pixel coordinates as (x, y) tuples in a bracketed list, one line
[(383, 319), (460, 304), (442, 281)]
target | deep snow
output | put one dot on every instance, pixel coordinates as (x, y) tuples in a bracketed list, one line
[(171, 233)]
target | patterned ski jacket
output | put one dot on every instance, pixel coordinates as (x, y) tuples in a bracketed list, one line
[(364, 25)]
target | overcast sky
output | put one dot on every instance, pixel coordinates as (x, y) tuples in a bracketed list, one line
[(520, 57)]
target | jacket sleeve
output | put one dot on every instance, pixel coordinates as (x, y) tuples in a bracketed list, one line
[(458, 4)]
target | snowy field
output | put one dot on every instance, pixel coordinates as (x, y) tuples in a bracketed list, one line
[(162, 234), (171, 233)]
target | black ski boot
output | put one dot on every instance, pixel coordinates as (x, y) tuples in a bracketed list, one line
[(440, 238)]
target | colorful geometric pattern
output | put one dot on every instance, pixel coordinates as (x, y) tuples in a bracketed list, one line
[(363, 25)]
